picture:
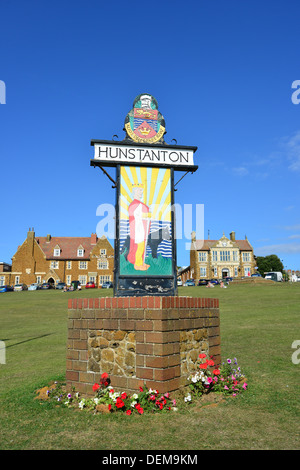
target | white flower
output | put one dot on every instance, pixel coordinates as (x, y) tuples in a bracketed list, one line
[(96, 401), (82, 404), (194, 379), (187, 398), (133, 403), (135, 396)]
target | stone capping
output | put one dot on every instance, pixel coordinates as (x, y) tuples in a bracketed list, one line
[(158, 323)]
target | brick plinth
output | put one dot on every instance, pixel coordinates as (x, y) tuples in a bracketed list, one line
[(139, 340)]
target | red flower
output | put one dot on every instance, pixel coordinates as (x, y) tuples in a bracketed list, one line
[(141, 390), (104, 375), (141, 410), (216, 372), (203, 366), (119, 403), (128, 412), (210, 362), (202, 356), (124, 395), (109, 407), (95, 387)]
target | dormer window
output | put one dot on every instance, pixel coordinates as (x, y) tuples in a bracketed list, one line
[(56, 251), (80, 252)]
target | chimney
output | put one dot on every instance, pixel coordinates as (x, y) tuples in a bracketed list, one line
[(30, 242), (48, 238), (232, 236), (93, 238)]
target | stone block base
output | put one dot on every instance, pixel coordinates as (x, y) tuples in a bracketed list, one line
[(140, 340)]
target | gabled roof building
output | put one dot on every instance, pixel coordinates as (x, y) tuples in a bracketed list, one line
[(63, 259)]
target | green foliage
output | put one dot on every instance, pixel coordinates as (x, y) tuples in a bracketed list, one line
[(268, 263)]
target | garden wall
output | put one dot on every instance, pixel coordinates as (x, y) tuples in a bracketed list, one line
[(140, 340)]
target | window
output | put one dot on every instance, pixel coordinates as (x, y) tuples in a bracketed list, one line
[(82, 280), (56, 252), (102, 264), (103, 251), (17, 280), (235, 271), (235, 256), (2, 280), (215, 255), (247, 271), (225, 255), (54, 264), (202, 256), (82, 264), (80, 252), (69, 278), (92, 279), (69, 264), (246, 257), (103, 279), (203, 272), (216, 272), (39, 279)]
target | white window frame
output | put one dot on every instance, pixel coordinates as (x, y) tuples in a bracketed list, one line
[(103, 251), (102, 264), (215, 255), (82, 264), (56, 252), (82, 279), (69, 264), (246, 257), (80, 252), (203, 271), (54, 264), (2, 281), (38, 279), (236, 272), (104, 278), (202, 256), (247, 270), (235, 256), (17, 280), (68, 279), (216, 272)]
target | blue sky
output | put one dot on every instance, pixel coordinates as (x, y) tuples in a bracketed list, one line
[(222, 74)]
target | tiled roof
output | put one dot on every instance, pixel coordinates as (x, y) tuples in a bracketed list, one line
[(206, 245), (68, 247)]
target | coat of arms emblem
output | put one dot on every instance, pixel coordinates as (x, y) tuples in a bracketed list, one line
[(144, 123)]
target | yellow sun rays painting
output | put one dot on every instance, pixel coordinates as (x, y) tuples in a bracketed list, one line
[(145, 223)]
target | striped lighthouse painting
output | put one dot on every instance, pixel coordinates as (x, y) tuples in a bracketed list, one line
[(145, 221)]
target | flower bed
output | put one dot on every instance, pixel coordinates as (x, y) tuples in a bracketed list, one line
[(226, 380)]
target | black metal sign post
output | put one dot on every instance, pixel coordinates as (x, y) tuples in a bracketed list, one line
[(145, 242)]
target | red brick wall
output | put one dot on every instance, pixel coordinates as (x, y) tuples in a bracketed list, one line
[(158, 324)]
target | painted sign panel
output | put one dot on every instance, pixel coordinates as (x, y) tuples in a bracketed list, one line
[(145, 222)]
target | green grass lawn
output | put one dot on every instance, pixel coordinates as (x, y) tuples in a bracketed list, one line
[(259, 323)]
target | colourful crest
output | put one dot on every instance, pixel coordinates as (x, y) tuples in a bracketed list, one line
[(144, 123)]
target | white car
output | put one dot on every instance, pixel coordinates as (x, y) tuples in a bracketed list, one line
[(34, 286), (19, 287), (179, 282)]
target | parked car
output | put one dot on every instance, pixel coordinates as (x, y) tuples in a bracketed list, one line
[(179, 282), (202, 282), (256, 275), (229, 279), (60, 285), (107, 285), (6, 288), (46, 285), (34, 286), (19, 287), (189, 282), (90, 285), (214, 281)]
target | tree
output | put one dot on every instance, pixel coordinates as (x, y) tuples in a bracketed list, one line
[(268, 263)]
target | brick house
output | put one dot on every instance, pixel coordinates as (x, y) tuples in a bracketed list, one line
[(217, 259), (63, 259), (5, 274)]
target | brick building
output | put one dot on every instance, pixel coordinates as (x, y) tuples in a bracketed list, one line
[(5, 274), (217, 259), (63, 259)]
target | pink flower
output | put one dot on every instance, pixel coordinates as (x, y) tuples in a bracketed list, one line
[(167, 395), (209, 380), (174, 402), (244, 386), (225, 387)]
